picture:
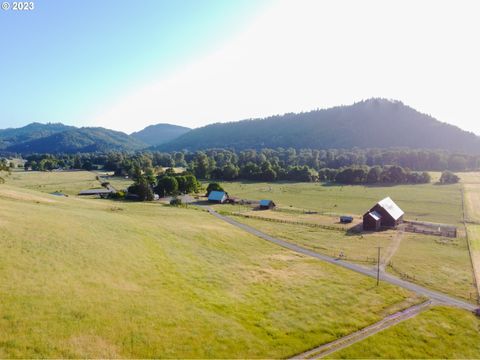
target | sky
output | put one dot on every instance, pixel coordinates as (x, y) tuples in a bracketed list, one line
[(125, 65)]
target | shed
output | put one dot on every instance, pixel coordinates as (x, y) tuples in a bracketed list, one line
[(390, 213), (218, 196), (101, 192), (372, 221), (267, 204)]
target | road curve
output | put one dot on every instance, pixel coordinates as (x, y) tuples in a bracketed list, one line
[(434, 295)]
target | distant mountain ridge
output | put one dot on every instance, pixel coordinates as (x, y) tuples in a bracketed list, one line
[(158, 134), (59, 138), (13, 136), (87, 139), (373, 123)]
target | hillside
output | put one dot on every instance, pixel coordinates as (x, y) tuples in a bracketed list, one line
[(374, 123), (159, 134), (12, 136), (80, 140)]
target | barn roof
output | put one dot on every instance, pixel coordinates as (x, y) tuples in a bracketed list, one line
[(265, 202), (217, 195), (392, 208), (375, 215)]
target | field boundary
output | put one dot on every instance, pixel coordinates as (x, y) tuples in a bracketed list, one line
[(470, 253), (282, 221)]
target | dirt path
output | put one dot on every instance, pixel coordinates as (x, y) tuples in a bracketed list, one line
[(434, 295), (329, 348), (391, 250)]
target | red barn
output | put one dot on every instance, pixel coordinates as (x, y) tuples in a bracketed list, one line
[(389, 213)]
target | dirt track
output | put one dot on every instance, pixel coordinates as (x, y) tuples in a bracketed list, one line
[(329, 348)]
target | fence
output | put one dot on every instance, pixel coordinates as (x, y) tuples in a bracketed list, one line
[(413, 229), (282, 221)]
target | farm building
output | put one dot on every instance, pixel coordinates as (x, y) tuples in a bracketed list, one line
[(100, 192), (267, 204), (218, 196), (389, 214), (371, 221)]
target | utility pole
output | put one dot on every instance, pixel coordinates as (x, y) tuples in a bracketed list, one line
[(378, 265)]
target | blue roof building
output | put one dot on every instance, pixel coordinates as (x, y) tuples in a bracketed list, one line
[(267, 204), (218, 196)]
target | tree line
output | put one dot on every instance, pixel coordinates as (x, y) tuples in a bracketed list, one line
[(356, 166)]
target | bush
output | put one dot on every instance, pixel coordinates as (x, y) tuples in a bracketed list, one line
[(214, 187), (449, 178), (117, 195), (176, 201), (143, 190), (167, 185)]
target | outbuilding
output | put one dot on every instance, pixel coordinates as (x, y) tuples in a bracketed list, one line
[(371, 221), (218, 196), (267, 204), (389, 213)]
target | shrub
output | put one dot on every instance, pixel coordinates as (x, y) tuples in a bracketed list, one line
[(214, 187), (448, 178)]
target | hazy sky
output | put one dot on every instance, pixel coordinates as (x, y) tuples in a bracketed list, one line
[(125, 65)]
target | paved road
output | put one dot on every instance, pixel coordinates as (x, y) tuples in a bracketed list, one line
[(434, 295), (331, 347)]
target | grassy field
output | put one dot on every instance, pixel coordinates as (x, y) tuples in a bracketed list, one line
[(98, 278), (438, 263), (471, 183), (439, 333), (67, 182), (441, 264), (428, 202), (119, 182)]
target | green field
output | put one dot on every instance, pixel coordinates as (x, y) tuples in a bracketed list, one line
[(438, 263), (67, 182), (439, 333), (441, 264), (96, 278), (471, 184), (427, 202)]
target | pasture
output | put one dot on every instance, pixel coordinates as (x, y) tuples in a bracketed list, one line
[(438, 333), (425, 202), (438, 263), (471, 183), (97, 278), (67, 182), (441, 264)]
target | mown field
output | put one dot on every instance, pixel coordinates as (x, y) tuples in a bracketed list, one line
[(438, 263), (67, 182), (427, 202), (97, 278), (439, 333), (471, 183), (435, 262)]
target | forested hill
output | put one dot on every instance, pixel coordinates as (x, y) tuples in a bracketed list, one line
[(159, 133), (374, 123), (12, 136), (80, 140)]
